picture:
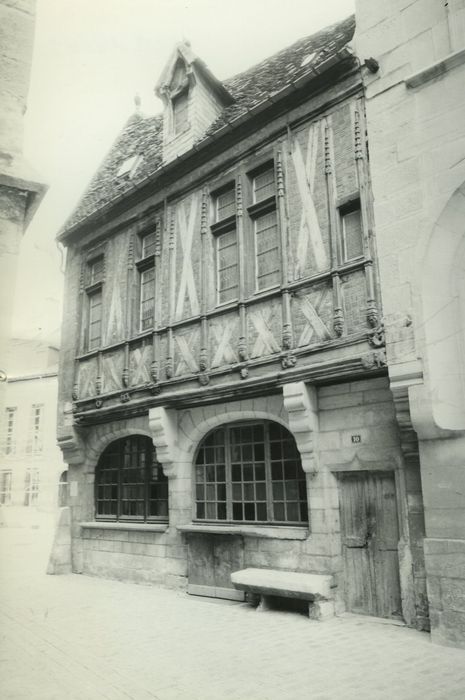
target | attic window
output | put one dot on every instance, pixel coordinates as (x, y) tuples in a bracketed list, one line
[(129, 166), (180, 105)]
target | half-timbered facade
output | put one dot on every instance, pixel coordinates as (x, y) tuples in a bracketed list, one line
[(224, 400)]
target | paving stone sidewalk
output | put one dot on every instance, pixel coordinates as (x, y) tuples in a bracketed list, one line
[(81, 638)]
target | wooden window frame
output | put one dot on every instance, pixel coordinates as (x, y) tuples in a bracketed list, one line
[(257, 210), (349, 207), (146, 263), (94, 286), (31, 486), (10, 445), (177, 130), (35, 437), (220, 227), (92, 292), (6, 479), (117, 449), (272, 503)]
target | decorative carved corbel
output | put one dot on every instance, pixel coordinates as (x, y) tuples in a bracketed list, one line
[(288, 361), (169, 367), (374, 359), (154, 371), (242, 349), (244, 372), (98, 385), (287, 339), (203, 360), (125, 377), (72, 447), (204, 378), (338, 321), (164, 428), (300, 402), (376, 337)]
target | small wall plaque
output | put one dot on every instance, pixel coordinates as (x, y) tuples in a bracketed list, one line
[(356, 438)]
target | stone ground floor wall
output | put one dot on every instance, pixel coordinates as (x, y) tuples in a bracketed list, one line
[(443, 476), (338, 429)]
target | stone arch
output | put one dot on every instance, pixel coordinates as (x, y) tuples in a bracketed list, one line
[(190, 444), (443, 301), (99, 441)]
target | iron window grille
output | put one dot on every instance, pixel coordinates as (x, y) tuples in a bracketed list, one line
[(250, 472), (129, 482)]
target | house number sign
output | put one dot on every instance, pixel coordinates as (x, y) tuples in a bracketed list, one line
[(356, 438)]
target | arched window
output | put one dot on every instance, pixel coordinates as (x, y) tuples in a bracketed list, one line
[(63, 490), (129, 482), (250, 472)]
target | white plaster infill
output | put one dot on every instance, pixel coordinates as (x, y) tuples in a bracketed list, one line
[(276, 532), (134, 527), (436, 69)]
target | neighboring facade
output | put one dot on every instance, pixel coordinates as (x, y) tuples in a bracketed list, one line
[(20, 193), (416, 126), (224, 398), (32, 472)]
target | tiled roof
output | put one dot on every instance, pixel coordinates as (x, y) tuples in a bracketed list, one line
[(143, 135)]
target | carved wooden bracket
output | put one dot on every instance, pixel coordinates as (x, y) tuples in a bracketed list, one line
[(164, 429), (300, 401)]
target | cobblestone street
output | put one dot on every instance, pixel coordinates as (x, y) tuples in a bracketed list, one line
[(82, 638)]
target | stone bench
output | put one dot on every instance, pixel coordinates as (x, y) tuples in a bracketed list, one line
[(267, 583)]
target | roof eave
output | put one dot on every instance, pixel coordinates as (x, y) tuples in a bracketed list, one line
[(295, 85)]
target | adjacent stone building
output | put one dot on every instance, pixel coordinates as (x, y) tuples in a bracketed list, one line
[(20, 191), (32, 473), (416, 125), (224, 397)]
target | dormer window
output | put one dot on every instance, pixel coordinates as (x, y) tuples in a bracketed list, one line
[(180, 112), (129, 166)]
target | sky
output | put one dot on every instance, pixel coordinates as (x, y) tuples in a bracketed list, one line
[(91, 57)]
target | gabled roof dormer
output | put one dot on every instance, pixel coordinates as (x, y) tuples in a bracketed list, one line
[(192, 97)]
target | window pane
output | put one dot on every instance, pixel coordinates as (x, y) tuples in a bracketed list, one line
[(95, 320), (180, 108), (226, 204), (264, 185), (147, 298), (267, 251), (261, 490), (352, 235), (227, 267), (95, 271), (148, 244), (130, 483)]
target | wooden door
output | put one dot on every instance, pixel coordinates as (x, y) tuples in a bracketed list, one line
[(370, 534), (211, 561)]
